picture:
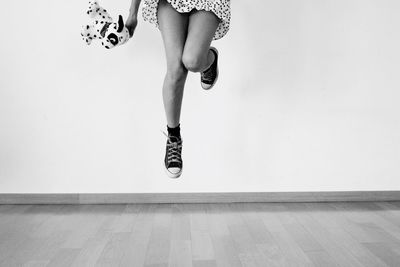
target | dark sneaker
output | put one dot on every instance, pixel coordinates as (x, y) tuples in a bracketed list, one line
[(209, 76), (173, 156)]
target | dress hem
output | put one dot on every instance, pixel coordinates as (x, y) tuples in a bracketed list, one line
[(149, 13)]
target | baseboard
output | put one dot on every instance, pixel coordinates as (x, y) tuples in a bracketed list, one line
[(198, 197)]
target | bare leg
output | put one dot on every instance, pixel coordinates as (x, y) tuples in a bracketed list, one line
[(197, 56), (173, 26)]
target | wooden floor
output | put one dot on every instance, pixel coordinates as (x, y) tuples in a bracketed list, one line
[(238, 234)]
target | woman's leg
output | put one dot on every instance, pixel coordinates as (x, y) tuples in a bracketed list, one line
[(173, 26), (197, 56)]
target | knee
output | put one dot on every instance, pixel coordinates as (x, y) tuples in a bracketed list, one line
[(176, 73), (192, 62)]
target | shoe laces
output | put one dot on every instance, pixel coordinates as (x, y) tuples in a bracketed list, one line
[(174, 148), (209, 74)]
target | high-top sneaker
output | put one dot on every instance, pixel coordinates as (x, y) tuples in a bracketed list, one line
[(173, 156), (209, 76)]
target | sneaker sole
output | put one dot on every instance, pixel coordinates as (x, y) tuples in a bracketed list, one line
[(216, 79), (173, 175)]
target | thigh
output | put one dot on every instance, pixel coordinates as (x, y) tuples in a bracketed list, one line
[(201, 30), (173, 26)]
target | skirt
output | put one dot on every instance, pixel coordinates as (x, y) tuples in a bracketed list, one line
[(221, 8)]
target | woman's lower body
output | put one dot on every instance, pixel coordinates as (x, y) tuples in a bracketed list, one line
[(187, 37)]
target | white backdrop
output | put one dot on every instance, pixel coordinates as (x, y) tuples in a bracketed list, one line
[(307, 100)]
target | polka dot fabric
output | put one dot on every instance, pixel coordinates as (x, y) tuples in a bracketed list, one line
[(221, 8)]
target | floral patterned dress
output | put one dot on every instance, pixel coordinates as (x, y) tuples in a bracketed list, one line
[(221, 8)]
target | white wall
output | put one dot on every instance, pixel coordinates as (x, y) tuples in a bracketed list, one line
[(307, 100)]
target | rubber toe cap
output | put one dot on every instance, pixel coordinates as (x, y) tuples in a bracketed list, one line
[(174, 172)]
